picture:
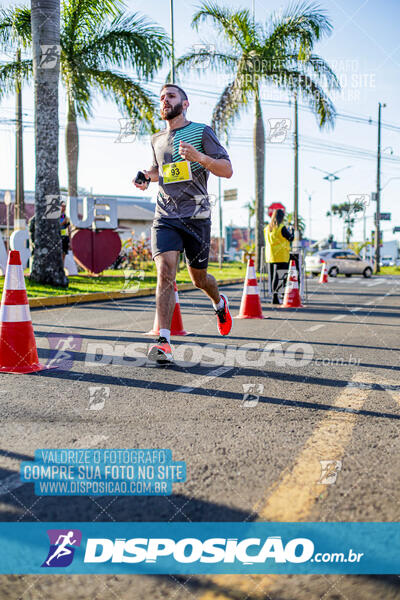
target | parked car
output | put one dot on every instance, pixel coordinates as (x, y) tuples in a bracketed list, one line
[(345, 262)]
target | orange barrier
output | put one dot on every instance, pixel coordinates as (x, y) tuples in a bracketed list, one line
[(292, 294), (18, 353), (324, 273), (250, 307)]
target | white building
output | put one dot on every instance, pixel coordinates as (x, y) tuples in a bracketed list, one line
[(135, 213)]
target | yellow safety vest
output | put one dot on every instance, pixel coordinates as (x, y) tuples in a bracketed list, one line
[(277, 248)]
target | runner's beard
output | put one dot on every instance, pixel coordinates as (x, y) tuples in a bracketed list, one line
[(173, 112)]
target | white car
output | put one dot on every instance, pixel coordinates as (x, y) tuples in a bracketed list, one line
[(337, 261)]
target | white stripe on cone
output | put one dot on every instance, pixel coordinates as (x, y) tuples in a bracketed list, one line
[(252, 290), (14, 313), (14, 278), (176, 298), (251, 273)]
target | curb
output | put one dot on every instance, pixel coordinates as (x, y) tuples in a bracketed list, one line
[(66, 299)]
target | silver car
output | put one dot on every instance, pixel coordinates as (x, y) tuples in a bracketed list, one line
[(338, 261)]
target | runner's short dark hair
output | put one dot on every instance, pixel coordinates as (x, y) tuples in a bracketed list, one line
[(182, 92)]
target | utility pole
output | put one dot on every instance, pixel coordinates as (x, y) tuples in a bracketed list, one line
[(296, 170), (220, 224), (377, 260), (19, 206), (172, 44)]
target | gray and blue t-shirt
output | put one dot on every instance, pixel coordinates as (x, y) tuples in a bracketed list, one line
[(184, 199)]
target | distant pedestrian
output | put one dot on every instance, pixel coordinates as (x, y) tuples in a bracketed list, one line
[(277, 251)]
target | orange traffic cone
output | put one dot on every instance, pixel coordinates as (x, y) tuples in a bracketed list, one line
[(292, 294), (18, 352), (250, 307), (176, 322), (324, 273)]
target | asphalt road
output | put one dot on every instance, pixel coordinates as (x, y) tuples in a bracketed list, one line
[(325, 386)]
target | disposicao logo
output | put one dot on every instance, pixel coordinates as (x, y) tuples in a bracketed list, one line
[(62, 547), (190, 550)]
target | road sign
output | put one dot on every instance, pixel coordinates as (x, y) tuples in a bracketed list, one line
[(7, 198), (275, 206), (384, 216), (396, 229), (230, 195)]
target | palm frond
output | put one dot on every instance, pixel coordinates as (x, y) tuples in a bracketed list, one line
[(311, 91), (79, 14), (231, 103), (321, 69), (236, 26), (133, 100), (214, 61), (15, 27), (300, 26), (128, 40), (11, 72)]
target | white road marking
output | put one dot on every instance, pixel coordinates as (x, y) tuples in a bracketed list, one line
[(369, 302), (338, 317), (356, 309), (377, 282), (201, 381), (315, 327), (13, 482)]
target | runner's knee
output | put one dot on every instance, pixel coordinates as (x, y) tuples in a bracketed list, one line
[(166, 271), (199, 280)]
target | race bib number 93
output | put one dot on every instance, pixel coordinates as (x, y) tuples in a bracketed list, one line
[(177, 172)]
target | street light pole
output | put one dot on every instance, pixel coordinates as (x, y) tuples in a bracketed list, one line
[(331, 177), (377, 260), (19, 206), (296, 169), (172, 44)]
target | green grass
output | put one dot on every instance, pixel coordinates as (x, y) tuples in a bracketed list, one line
[(112, 281), (390, 271)]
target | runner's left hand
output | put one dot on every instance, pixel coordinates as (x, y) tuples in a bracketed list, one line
[(188, 152)]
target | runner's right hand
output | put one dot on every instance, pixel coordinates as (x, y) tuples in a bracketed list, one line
[(142, 186)]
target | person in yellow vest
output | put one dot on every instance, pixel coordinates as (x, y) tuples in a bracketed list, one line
[(65, 230), (277, 250)]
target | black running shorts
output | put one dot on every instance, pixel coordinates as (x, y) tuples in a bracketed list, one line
[(191, 235)]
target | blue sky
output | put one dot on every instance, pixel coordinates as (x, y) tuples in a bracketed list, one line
[(364, 50)]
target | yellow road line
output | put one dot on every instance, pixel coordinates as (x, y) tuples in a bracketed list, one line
[(295, 493)]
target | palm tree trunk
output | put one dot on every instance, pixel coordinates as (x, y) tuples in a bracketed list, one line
[(259, 158), (72, 148), (47, 264), (19, 206)]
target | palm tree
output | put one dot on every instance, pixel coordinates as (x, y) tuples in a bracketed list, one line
[(97, 40), (47, 264), (251, 207), (279, 53), (301, 224), (347, 211)]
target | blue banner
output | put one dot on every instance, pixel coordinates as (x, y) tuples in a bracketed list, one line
[(103, 472), (200, 548)]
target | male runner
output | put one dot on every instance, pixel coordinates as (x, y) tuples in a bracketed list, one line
[(184, 154)]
